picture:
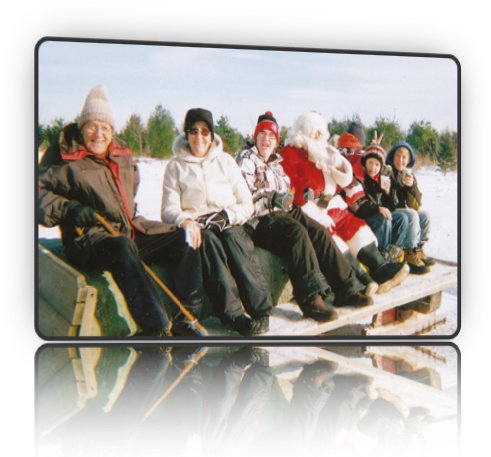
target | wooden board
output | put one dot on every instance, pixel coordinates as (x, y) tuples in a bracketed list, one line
[(287, 318), (66, 304)]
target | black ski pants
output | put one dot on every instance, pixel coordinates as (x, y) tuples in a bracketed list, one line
[(310, 252), (233, 275), (123, 258)]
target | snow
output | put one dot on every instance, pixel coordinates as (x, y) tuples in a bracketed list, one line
[(440, 199)]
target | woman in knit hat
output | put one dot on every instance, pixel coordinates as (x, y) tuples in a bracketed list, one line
[(314, 262), (205, 194), (95, 174)]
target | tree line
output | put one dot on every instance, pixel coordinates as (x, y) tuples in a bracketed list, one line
[(154, 139)]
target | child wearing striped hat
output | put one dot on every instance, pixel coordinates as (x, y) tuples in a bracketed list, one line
[(378, 206)]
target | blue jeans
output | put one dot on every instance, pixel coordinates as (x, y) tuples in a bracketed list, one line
[(419, 225), (389, 231)]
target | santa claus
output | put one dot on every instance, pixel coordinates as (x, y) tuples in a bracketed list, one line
[(318, 172)]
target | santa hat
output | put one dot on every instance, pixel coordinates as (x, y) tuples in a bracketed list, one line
[(96, 108), (347, 140), (267, 122)]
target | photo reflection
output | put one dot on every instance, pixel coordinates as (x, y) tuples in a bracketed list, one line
[(338, 400)]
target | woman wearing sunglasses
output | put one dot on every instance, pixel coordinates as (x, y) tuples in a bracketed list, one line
[(205, 193)]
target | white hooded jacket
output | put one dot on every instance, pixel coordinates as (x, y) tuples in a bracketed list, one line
[(195, 186)]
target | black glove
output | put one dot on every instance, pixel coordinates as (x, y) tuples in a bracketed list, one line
[(80, 215), (283, 201), (308, 194), (216, 222)]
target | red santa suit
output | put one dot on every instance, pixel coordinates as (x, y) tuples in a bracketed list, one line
[(323, 169)]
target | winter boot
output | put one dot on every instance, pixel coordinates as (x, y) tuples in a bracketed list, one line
[(416, 265), (261, 325), (388, 275), (357, 300), (362, 275), (243, 325), (393, 253), (428, 261), (316, 308)]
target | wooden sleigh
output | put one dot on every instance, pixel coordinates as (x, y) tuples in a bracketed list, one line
[(88, 304)]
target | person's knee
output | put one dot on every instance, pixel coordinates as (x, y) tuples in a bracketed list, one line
[(119, 247)]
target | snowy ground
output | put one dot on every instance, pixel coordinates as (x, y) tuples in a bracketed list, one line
[(440, 197)]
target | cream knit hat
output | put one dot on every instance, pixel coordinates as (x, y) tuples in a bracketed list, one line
[(96, 108)]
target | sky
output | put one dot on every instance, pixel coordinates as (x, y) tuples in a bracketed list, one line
[(244, 83)]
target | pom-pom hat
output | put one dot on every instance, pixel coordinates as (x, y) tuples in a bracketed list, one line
[(267, 122), (374, 151), (96, 108)]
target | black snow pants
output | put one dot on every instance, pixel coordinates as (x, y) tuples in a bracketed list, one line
[(123, 257), (232, 273), (310, 252)]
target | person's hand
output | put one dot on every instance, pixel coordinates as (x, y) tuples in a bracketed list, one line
[(81, 215), (407, 178), (193, 233), (216, 222), (283, 201), (385, 212)]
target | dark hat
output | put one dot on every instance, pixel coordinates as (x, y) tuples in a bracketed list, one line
[(358, 131), (267, 122), (198, 115)]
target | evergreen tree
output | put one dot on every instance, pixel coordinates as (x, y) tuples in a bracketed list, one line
[(233, 141), (447, 154), (161, 131), (283, 135), (133, 134), (424, 139), (50, 134), (390, 130), (336, 127)]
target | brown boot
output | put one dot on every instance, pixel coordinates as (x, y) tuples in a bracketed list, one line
[(319, 310), (416, 265), (428, 261)]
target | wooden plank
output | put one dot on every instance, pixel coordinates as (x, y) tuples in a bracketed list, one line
[(287, 319), (52, 324), (61, 286), (419, 323), (89, 326)]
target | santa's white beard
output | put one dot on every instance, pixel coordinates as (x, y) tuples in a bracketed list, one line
[(317, 150)]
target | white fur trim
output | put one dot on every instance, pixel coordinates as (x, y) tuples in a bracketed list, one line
[(343, 247), (337, 202), (363, 237), (318, 214)]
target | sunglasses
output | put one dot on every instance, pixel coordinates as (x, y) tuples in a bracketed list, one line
[(203, 132)]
